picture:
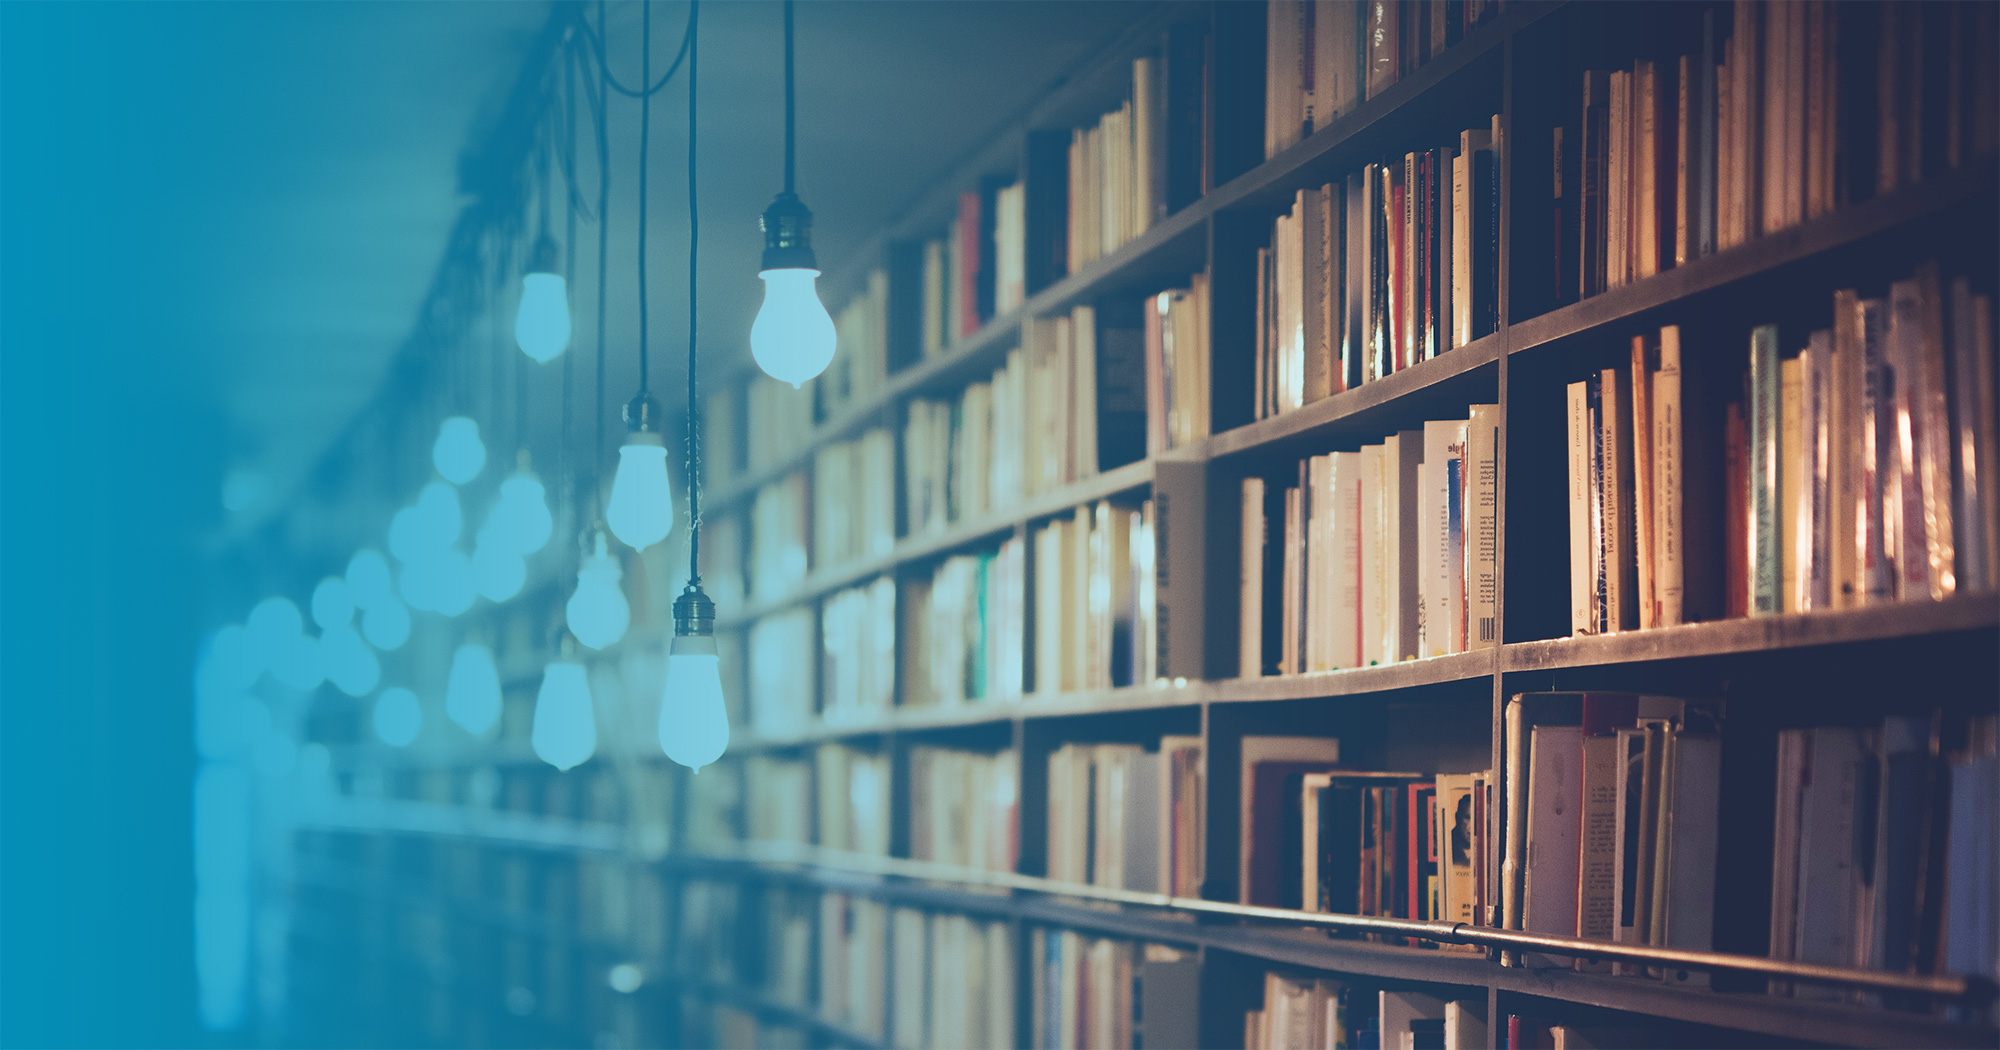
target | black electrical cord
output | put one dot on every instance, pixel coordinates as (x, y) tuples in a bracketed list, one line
[(694, 302), (645, 132), (603, 266), (789, 188), (596, 38)]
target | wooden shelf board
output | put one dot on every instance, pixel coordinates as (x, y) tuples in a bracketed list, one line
[(1758, 634), (1455, 667)]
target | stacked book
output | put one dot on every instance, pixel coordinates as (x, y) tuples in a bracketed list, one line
[(781, 683), (1777, 113), (855, 514), (965, 629), (1094, 599), (851, 788), (1127, 817), (1367, 276), (778, 537), (860, 363), (1305, 1013), (1117, 171), (1860, 468), (780, 800), (965, 808), (1383, 554), (1177, 366), (853, 963), (962, 458), (954, 981), (778, 424), (1119, 995), (858, 653), (1327, 56), (1883, 851), (1612, 821)]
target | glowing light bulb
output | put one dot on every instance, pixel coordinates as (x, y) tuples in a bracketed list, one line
[(386, 624), (541, 325), (349, 664), (332, 605), (472, 692), (397, 717), (458, 453), (792, 338), (272, 623), (439, 518), (406, 535), (641, 511), (497, 572), (694, 725), (520, 521), (296, 663), (456, 587), (597, 612), (565, 728)]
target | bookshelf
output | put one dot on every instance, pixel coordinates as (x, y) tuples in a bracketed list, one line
[(1440, 714)]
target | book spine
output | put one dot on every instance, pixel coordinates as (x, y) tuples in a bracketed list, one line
[(1877, 476), (1644, 355), (1482, 446), (1620, 534), (1816, 522), (1594, 504), (1766, 552), (1344, 570), (1791, 473), (1579, 520), (1934, 442), (1250, 634)]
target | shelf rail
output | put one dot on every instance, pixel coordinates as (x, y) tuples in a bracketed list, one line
[(1940, 986)]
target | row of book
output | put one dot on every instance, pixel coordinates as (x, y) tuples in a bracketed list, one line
[(781, 536), (964, 629), (837, 799), (1095, 599), (965, 808), (1109, 994), (1324, 57), (778, 664), (1325, 1013), (854, 509), (1117, 171), (1383, 554), (860, 365), (1883, 854), (775, 423), (1863, 469), (1365, 277), (1176, 333), (1611, 822), (1126, 816), (857, 675), (1782, 113)]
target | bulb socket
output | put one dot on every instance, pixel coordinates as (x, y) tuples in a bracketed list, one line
[(787, 226), (694, 613), (642, 415), (543, 257)]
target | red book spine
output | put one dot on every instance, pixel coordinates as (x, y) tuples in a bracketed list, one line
[(968, 263)]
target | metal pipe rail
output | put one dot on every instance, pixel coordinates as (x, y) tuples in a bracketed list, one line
[(1941, 986)]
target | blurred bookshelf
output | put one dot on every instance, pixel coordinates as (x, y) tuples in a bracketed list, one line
[(1051, 722)]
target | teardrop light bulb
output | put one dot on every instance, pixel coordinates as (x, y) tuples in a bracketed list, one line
[(499, 573), (597, 612), (694, 725), (792, 338), (541, 323), (368, 579), (641, 511), (350, 665), (520, 520), (397, 716), (458, 453), (386, 624), (565, 728), (472, 692), (332, 605)]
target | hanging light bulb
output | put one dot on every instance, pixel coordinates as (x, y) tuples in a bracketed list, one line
[(438, 516), (350, 665), (694, 725), (332, 605), (368, 579), (458, 453), (386, 624), (498, 573), (456, 587), (641, 511), (541, 325), (565, 728), (520, 521), (472, 692), (597, 612), (792, 338), (397, 717)]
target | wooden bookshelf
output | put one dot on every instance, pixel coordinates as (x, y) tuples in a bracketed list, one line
[(1769, 667)]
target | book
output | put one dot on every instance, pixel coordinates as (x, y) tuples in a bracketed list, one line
[(1275, 751), (1482, 558), (1766, 485)]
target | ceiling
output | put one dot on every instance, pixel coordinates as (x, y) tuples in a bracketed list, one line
[(323, 143)]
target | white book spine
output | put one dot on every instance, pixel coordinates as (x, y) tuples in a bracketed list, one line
[(1668, 503)]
